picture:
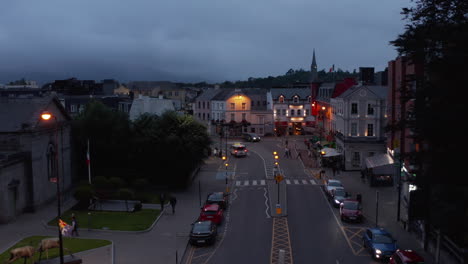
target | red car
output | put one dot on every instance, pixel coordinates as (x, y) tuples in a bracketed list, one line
[(351, 210), (406, 257), (211, 212)]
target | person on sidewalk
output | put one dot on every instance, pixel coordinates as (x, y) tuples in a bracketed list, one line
[(162, 199), (173, 202), (299, 156), (286, 152), (74, 226)]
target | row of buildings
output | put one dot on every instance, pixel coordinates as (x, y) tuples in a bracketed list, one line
[(352, 113)]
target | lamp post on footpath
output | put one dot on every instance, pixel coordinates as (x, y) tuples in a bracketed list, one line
[(46, 116)]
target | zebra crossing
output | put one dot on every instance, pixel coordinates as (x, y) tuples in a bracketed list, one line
[(243, 183)]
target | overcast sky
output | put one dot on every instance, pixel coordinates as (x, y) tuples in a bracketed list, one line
[(192, 40)]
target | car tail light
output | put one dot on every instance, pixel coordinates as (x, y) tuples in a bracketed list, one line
[(246, 150), (235, 151)]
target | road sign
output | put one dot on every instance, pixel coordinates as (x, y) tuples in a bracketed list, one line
[(279, 178)]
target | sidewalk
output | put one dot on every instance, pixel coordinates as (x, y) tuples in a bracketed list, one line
[(387, 205)]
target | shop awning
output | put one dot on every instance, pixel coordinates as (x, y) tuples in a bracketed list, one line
[(331, 152), (380, 164)]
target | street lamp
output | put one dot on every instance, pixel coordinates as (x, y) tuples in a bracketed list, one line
[(46, 116), (323, 121)]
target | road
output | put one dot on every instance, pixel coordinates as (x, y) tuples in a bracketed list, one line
[(312, 229)]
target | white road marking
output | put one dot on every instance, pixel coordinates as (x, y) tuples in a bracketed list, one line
[(238, 183), (254, 182), (288, 182), (304, 182), (266, 203), (262, 182), (246, 183), (313, 182), (296, 182)]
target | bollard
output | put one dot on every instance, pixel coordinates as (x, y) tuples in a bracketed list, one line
[(281, 256), (278, 209)]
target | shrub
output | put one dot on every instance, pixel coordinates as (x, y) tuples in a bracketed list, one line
[(140, 184), (83, 194), (116, 182), (137, 207), (100, 182)]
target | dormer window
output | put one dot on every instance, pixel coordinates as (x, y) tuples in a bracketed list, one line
[(281, 99), (296, 99)]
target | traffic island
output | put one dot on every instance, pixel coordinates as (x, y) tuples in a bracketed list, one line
[(66, 260), (277, 197)]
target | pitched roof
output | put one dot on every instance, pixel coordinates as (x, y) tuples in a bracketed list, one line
[(151, 105), (24, 113), (288, 93), (208, 94), (379, 90)]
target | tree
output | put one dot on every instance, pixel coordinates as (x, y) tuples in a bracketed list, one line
[(84, 193), (109, 135), (436, 37)]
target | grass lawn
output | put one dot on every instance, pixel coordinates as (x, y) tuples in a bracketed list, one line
[(75, 245), (125, 221)]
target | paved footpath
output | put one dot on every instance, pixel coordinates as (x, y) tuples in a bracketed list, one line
[(164, 242)]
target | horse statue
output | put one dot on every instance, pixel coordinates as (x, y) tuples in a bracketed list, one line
[(48, 243), (26, 252)]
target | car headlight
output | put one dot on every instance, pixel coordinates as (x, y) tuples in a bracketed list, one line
[(336, 201), (378, 251)]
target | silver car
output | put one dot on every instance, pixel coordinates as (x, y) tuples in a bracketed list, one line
[(331, 185)]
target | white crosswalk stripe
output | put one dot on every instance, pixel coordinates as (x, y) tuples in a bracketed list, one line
[(243, 183)]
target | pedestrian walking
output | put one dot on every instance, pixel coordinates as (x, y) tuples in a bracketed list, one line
[(286, 152), (215, 152), (286, 142), (74, 226), (162, 199), (363, 176), (173, 202)]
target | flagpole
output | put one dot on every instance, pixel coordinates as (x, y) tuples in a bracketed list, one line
[(89, 164)]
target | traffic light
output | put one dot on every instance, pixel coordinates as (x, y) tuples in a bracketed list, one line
[(276, 157)]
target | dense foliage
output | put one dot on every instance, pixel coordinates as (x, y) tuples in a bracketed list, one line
[(159, 150), (289, 78), (437, 38)]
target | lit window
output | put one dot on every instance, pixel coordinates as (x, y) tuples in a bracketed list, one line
[(233, 106)]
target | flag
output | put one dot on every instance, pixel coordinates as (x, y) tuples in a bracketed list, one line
[(88, 160), (332, 69)]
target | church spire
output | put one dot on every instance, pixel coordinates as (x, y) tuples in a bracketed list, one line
[(313, 69)]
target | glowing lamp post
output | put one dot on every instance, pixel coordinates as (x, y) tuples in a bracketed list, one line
[(46, 116)]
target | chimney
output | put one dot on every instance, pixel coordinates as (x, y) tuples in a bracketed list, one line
[(366, 75)]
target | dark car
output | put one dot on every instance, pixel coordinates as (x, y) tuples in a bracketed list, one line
[(203, 233), (406, 257), (379, 243), (251, 137), (351, 210), (338, 195), (219, 198)]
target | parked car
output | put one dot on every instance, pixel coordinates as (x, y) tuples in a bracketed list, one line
[(238, 150), (211, 212), (331, 185), (351, 210), (203, 233), (379, 243), (406, 257), (338, 196), (219, 198), (251, 137)]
